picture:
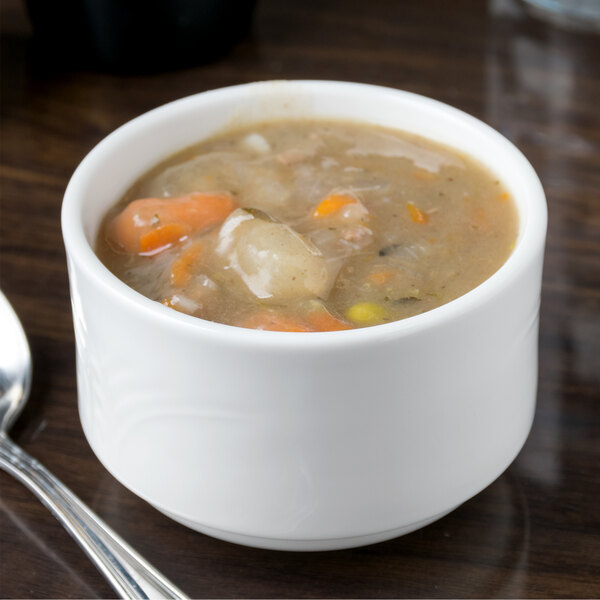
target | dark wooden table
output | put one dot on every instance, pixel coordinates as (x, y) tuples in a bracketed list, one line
[(535, 532)]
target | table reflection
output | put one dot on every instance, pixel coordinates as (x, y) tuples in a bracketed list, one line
[(481, 549), (539, 92)]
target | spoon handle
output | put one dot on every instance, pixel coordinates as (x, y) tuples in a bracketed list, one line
[(129, 574)]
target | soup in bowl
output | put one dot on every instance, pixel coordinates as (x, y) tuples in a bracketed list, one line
[(276, 341), (308, 225)]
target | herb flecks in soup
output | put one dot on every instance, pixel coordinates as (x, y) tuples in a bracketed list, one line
[(310, 226)]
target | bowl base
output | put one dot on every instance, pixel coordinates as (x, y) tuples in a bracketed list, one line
[(300, 545)]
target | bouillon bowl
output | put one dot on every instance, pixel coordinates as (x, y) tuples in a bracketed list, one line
[(303, 441)]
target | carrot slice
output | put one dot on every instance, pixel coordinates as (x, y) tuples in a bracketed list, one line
[(192, 212), (325, 321), (181, 269), (381, 277), (417, 216), (332, 204), (272, 321), (319, 320), (163, 237)]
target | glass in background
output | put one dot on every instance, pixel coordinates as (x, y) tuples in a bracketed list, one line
[(575, 14)]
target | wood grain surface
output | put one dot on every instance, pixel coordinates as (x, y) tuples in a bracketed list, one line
[(535, 532)]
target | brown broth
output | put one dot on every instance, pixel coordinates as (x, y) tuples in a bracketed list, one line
[(390, 259)]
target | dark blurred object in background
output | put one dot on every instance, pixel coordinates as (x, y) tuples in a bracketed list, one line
[(581, 15), (136, 36)]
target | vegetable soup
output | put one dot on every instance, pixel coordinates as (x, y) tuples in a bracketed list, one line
[(302, 225)]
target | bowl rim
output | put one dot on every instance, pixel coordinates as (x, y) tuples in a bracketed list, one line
[(530, 240)]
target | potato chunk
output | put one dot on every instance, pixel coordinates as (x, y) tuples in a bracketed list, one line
[(275, 262)]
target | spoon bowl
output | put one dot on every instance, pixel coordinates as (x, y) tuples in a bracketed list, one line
[(130, 575), (15, 366)]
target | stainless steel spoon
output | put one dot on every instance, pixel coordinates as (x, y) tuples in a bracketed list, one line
[(130, 575)]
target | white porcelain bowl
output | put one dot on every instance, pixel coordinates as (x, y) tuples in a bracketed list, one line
[(303, 441)]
